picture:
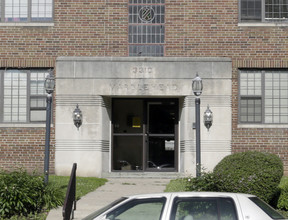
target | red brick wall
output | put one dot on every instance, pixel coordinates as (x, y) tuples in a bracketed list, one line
[(198, 28), (24, 147)]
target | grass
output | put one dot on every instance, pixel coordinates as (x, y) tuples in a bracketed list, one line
[(177, 185), (84, 185)]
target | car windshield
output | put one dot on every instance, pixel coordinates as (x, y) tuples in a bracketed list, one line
[(102, 210), (266, 208)]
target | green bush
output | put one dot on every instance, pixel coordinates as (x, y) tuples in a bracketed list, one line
[(22, 194), (250, 172), (205, 182), (283, 198)]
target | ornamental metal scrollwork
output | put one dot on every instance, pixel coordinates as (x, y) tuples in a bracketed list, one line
[(146, 14)]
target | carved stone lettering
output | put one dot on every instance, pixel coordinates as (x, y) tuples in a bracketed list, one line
[(132, 88), (142, 71)]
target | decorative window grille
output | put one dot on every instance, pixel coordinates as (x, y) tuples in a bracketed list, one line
[(146, 27), (263, 96)]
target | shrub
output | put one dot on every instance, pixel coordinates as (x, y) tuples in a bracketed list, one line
[(205, 182), (283, 198), (52, 197), (250, 172), (22, 194)]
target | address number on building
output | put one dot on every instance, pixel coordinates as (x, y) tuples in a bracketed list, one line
[(142, 71)]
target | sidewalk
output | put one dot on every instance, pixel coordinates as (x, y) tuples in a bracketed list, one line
[(112, 190)]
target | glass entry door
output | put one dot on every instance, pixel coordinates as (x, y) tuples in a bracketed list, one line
[(161, 127), (144, 134)]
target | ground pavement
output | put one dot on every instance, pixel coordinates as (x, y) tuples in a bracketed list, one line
[(112, 190)]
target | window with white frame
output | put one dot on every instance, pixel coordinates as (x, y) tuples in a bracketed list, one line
[(263, 10), (146, 27), (263, 96), (22, 95), (26, 10)]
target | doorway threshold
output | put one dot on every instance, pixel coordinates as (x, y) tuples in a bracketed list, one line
[(152, 175)]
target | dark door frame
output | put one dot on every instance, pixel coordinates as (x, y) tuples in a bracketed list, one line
[(144, 133)]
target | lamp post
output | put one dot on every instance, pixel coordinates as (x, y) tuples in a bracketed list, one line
[(77, 117), (49, 87), (197, 87)]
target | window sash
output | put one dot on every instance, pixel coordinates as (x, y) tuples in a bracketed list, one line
[(23, 96), (26, 10), (263, 99), (263, 10)]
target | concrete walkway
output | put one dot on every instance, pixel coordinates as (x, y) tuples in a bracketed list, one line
[(112, 190)]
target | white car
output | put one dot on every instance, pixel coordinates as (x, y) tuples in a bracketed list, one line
[(187, 206)]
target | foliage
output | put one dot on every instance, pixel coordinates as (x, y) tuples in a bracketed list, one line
[(22, 194), (283, 198), (53, 196), (250, 172), (205, 182), (19, 193), (25, 196)]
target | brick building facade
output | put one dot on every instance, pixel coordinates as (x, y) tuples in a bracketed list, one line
[(256, 43)]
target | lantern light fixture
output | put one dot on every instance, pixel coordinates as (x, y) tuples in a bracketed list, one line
[(197, 85), (77, 117), (49, 83), (208, 118)]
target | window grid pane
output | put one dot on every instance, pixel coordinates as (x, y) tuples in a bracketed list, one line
[(276, 92), (146, 50), (26, 10), (16, 10), (273, 102), (276, 10), (41, 10), (15, 96), (251, 110), (38, 98), (143, 34), (250, 83), (250, 10)]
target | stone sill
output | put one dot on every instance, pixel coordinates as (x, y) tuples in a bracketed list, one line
[(31, 125), (26, 24), (263, 24), (262, 126)]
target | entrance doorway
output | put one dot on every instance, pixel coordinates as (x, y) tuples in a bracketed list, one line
[(145, 134)]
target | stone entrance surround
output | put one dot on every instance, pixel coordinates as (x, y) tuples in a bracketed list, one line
[(92, 82)]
